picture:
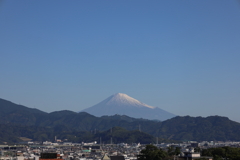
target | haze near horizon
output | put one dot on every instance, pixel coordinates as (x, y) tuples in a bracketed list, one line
[(180, 56)]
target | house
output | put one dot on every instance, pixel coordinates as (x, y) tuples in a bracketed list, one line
[(105, 157), (117, 158), (192, 156), (50, 156)]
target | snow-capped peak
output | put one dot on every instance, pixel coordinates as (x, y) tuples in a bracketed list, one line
[(123, 104), (123, 99)]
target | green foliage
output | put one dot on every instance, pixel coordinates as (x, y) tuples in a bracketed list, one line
[(170, 151), (200, 129), (153, 153), (177, 151), (10, 133), (220, 153), (119, 135)]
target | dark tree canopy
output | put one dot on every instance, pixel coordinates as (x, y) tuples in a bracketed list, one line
[(152, 152)]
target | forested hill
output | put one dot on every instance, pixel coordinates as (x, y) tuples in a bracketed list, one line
[(198, 128), (21, 115), (178, 128)]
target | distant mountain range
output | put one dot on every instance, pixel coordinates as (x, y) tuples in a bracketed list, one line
[(123, 104), (20, 121)]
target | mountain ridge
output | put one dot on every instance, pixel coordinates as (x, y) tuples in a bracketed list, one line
[(42, 126)]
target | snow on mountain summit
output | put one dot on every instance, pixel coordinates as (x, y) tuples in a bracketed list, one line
[(124, 99), (123, 104)]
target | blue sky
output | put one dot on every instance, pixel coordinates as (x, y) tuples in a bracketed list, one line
[(181, 56)]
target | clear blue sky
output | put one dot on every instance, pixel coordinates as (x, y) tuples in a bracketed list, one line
[(181, 56)]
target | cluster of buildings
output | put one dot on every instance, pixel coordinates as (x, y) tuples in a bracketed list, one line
[(94, 151)]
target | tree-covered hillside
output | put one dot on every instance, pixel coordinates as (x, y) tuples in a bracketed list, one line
[(38, 125), (213, 128)]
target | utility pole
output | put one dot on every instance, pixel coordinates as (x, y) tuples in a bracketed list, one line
[(111, 136)]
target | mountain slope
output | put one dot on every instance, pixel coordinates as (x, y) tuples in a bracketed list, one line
[(17, 120), (18, 114), (122, 104), (213, 128)]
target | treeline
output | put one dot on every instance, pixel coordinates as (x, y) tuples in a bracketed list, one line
[(152, 152), (41, 126), (11, 134), (221, 153)]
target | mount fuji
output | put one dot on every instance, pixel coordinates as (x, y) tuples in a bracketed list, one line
[(123, 104)]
